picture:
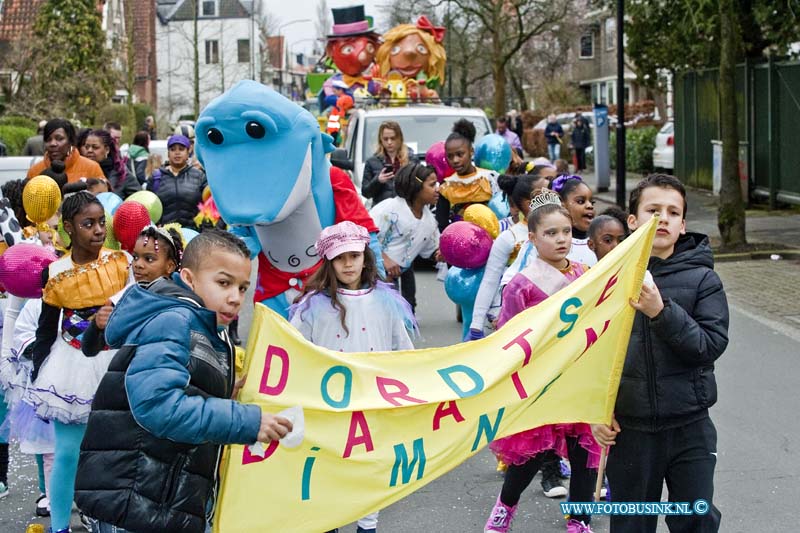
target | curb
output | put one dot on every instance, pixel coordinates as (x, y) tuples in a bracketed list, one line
[(759, 256)]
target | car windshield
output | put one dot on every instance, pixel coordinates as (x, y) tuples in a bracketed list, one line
[(419, 131)]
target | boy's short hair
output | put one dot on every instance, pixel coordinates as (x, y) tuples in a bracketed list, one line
[(208, 242), (665, 181)]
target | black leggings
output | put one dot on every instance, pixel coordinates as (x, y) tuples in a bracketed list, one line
[(581, 482)]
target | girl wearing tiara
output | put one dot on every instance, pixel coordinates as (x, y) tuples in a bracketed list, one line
[(156, 254), (469, 184), (345, 308), (550, 227)]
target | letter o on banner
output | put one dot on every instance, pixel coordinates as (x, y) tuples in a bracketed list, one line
[(347, 375)]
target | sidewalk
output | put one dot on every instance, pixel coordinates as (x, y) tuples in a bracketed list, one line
[(765, 289)]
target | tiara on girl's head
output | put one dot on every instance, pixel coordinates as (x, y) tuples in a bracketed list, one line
[(560, 181), (546, 197)]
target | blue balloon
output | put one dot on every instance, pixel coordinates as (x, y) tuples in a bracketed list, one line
[(462, 284), (499, 206), (110, 201), (188, 234), (493, 152)]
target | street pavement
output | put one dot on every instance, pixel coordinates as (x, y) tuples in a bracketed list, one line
[(757, 472)]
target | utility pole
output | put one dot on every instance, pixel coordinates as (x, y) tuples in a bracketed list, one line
[(196, 62), (620, 104)]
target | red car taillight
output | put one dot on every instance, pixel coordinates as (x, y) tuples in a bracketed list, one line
[(670, 140)]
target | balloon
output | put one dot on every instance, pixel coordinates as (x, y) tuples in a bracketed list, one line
[(150, 201), (493, 152), (110, 202), (111, 239), (465, 245), (462, 284), (436, 156), (21, 269), (129, 221), (499, 206), (188, 235), (40, 198), (483, 217)]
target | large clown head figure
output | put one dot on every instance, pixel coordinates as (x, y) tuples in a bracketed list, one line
[(353, 44), (263, 155), (415, 51)]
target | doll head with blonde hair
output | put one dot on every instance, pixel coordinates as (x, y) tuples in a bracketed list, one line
[(413, 49)]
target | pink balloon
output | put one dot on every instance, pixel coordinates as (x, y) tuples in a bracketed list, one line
[(436, 156), (21, 269), (465, 245)]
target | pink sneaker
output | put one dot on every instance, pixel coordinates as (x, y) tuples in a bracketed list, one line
[(500, 518), (576, 526)]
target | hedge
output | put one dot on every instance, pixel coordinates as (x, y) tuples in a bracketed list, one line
[(21, 122), (14, 138), (639, 145), (124, 115)]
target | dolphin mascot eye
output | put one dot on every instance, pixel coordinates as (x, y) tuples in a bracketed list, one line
[(215, 136), (254, 130)]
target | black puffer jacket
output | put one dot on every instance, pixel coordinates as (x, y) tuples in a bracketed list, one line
[(176, 372), (374, 189), (668, 379), (179, 194)]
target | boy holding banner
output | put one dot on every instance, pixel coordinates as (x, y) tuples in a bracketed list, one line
[(150, 457), (661, 428)]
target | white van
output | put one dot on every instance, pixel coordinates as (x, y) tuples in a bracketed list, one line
[(422, 125), (16, 168)]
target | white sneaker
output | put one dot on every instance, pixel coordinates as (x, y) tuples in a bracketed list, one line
[(3, 490)]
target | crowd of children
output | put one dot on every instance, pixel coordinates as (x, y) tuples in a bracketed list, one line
[(120, 378)]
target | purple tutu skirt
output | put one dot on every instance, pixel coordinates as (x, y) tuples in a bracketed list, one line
[(24, 426), (518, 448)]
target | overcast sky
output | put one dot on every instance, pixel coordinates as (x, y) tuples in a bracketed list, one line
[(297, 34)]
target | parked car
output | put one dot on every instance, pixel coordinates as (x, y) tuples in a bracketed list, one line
[(15, 168), (664, 152), (158, 146), (422, 125), (566, 119)]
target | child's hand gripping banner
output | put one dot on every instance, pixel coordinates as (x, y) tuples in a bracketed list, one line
[(379, 426)]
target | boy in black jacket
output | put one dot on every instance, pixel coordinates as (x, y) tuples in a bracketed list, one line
[(661, 428)]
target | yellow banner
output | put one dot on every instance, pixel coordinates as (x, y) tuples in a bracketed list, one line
[(379, 426)]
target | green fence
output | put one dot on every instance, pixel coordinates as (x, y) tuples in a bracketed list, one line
[(768, 101)]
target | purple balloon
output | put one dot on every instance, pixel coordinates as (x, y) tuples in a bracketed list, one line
[(465, 245), (21, 268), (436, 156)]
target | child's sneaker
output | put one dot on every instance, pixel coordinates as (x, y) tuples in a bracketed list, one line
[(576, 526), (553, 488), (3, 490), (500, 518), (42, 506)]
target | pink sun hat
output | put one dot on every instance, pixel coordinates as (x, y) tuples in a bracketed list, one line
[(340, 238)]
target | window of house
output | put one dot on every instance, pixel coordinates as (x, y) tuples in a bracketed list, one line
[(212, 52), (611, 33), (587, 46), (612, 92), (603, 99), (243, 50), (208, 8)]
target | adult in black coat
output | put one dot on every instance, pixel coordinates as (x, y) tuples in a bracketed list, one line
[(377, 182), (179, 185), (581, 139)]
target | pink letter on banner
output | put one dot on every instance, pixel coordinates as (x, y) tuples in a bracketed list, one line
[(451, 409), (358, 422), (284, 357), (248, 458), (401, 392)]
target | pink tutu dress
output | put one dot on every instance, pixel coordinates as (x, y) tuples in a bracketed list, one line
[(526, 289)]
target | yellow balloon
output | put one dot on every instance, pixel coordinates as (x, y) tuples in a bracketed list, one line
[(41, 198), (482, 216)]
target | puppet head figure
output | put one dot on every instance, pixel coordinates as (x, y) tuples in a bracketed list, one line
[(353, 43), (411, 50)]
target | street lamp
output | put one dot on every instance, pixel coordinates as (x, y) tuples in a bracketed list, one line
[(283, 51)]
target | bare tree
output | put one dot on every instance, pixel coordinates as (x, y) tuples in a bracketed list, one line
[(509, 25)]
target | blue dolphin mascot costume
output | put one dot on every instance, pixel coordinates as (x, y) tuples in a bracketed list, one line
[(270, 177)]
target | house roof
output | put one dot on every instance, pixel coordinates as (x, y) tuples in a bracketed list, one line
[(17, 17), (174, 10)]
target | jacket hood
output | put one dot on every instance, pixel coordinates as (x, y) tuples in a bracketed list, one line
[(691, 251), (135, 151), (141, 303)]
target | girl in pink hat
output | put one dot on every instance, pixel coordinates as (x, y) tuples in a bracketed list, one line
[(346, 308)]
